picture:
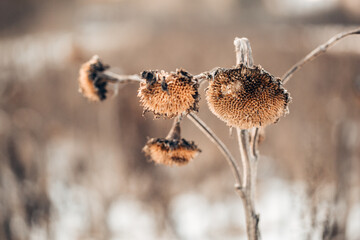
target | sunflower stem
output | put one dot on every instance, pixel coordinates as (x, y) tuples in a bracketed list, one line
[(222, 147), (117, 78), (248, 153), (175, 131), (112, 77), (316, 52)]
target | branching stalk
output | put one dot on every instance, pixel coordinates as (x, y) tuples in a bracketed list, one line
[(245, 177), (316, 52), (223, 149)]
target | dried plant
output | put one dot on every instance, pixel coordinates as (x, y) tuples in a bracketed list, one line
[(172, 150), (91, 82), (245, 97), (168, 95)]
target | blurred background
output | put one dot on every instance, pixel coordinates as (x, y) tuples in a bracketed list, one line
[(70, 169)]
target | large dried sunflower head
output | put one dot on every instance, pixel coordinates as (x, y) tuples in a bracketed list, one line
[(247, 97), (170, 151), (90, 83), (168, 94)]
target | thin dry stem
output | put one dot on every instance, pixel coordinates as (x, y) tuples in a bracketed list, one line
[(255, 142), (248, 158), (244, 146), (175, 131), (117, 78), (202, 77), (223, 149), (316, 52)]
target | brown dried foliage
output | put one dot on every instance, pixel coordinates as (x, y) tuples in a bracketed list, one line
[(170, 151), (91, 83), (247, 97), (168, 95)]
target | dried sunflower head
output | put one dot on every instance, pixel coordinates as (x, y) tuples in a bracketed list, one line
[(91, 84), (168, 94), (170, 151), (247, 97)]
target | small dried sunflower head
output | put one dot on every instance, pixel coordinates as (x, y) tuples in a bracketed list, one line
[(170, 151), (91, 85), (168, 94), (247, 97)]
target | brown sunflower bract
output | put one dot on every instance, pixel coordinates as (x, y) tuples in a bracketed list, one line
[(170, 151), (168, 94), (90, 83), (247, 97)]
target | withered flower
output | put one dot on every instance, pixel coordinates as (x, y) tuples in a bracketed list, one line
[(168, 94), (247, 97), (91, 81), (172, 150)]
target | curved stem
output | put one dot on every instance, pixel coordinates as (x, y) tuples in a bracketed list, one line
[(211, 135), (316, 52)]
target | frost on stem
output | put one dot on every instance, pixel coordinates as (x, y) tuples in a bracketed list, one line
[(91, 82), (168, 94), (247, 97), (172, 150)]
